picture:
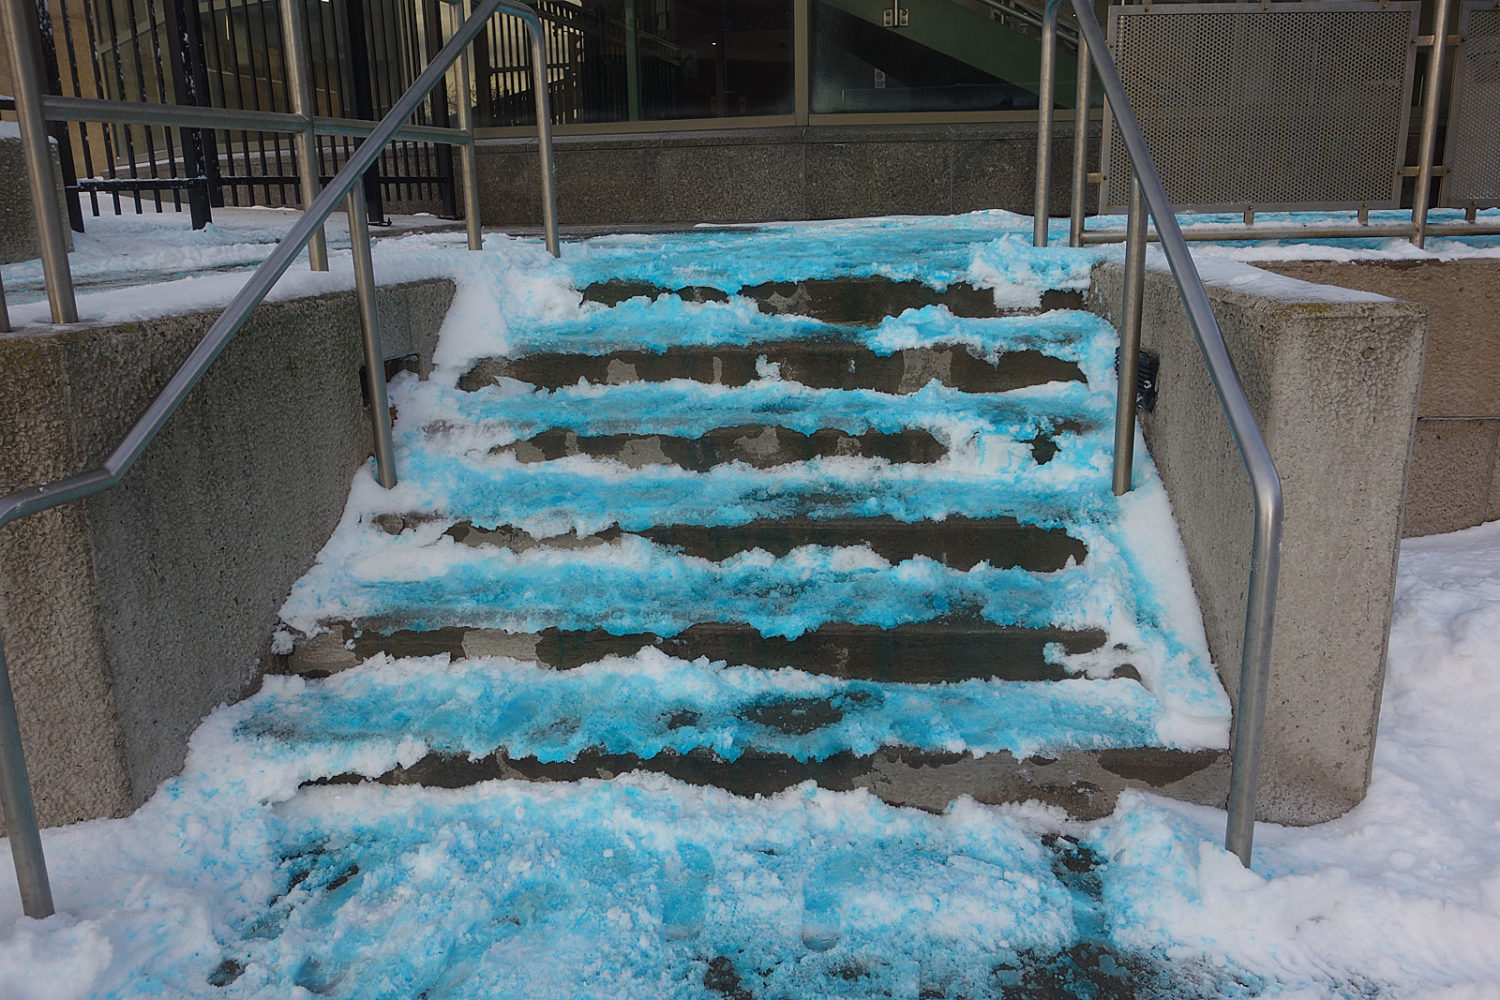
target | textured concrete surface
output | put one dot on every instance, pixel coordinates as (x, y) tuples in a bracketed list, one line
[(763, 174), (1453, 470), (17, 224), (1457, 452), (128, 617), (1333, 383)]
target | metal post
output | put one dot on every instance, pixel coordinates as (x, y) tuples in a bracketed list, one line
[(295, 58), (178, 19), (20, 812), (1130, 338), (1428, 147), (369, 324), (4, 311), (430, 39), (1080, 146), (468, 160), (632, 65), (1041, 203), (50, 232), (539, 85)]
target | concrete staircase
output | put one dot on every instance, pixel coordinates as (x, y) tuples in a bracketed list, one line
[(837, 528)]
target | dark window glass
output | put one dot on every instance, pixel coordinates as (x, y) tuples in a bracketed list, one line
[(937, 55), (645, 60)]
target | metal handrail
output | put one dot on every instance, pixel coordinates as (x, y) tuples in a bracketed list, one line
[(1265, 553), (15, 789)]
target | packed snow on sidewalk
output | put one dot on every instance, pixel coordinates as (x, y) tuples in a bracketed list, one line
[(246, 877)]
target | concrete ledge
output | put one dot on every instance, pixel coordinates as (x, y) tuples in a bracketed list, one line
[(766, 174), (128, 617), (1333, 378), (1455, 475)]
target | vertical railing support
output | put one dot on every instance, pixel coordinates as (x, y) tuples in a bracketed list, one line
[(539, 86), (1041, 204), (1080, 147), (369, 324), (4, 311), (1427, 148), (298, 65), (20, 811), (50, 229), (468, 158), (1130, 338)]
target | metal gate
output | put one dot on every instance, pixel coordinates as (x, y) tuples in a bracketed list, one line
[(228, 54)]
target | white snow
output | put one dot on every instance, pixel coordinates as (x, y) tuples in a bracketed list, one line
[(236, 881)]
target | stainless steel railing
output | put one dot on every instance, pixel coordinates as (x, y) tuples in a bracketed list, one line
[(346, 186), (1148, 195)]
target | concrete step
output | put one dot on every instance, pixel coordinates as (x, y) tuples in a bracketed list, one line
[(836, 300), (937, 652), (959, 542), (1085, 783), (761, 447), (815, 363)]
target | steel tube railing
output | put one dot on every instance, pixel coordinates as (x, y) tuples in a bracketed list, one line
[(1080, 146), (1427, 146), (15, 788), (1264, 231), (304, 142), (1265, 552), (26, 78), (1128, 366), (468, 159)]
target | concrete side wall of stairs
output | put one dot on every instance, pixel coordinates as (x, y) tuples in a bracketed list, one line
[(1333, 379), (128, 617)]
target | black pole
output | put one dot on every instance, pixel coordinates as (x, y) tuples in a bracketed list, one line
[(447, 190), (364, 102), (179, 15)]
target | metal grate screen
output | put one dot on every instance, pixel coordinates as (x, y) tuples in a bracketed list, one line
[(1291, 106), (1473, 153)]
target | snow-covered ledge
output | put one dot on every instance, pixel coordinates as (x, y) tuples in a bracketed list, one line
[(129, 617), (1333, 377)]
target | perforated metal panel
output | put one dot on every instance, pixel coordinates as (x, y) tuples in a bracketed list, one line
[(1286, 106), (1473, 153)]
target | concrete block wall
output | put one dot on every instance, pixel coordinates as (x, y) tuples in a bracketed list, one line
[(128, 617), (1332, 378), (18, 239), (765, 174), (1455, 474)]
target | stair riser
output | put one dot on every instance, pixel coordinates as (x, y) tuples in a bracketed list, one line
[(1084, 783), (918, 654), (818, 365), (761, 447), (838, 300)]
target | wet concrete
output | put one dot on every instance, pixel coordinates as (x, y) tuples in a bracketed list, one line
[(959, 542), (821, 364), (759, 446)]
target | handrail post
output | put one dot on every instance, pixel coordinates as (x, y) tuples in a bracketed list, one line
[(1128, 364), (1044, 98), (1427, 148), (20, 811), (1080, 147), (50, 234), (468, 158), (1265, 483), (369, 324), (298, 65), (539, 84)]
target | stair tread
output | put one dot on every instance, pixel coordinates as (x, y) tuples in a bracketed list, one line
[(669, 326), (649, 703), (690, 409)]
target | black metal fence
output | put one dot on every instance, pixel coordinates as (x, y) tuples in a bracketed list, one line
[(228, 54)]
